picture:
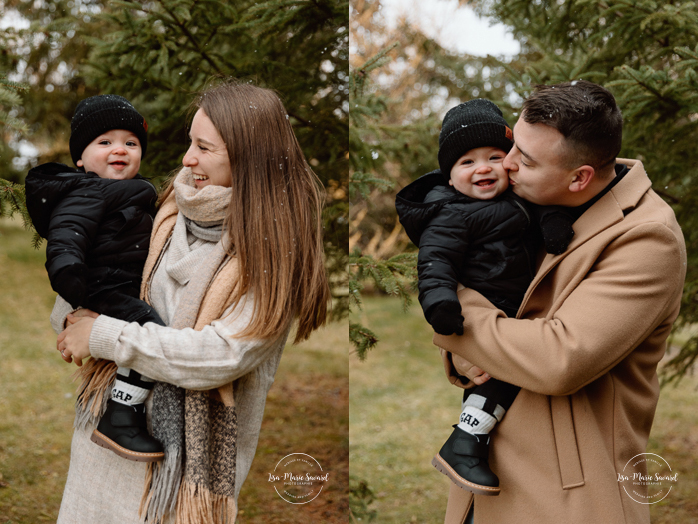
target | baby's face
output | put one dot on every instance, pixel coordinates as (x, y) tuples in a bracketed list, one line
[(115, 154), (480, 174)]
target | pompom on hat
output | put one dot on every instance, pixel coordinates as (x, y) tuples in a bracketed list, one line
[(98, 114), (472, 124)]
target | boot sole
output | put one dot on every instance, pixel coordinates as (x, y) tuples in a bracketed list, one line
[(105, 442), (462, 483)]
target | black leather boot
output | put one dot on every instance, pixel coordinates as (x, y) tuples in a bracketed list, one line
[(123, 430), (463, 458)]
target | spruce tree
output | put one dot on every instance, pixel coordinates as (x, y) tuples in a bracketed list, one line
[(11, 194), (645, 52), (162, 52), (159, 54), (37, 105), (365, 156), (401, 84), (46, 58)]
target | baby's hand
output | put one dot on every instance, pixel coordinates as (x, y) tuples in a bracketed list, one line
[(446, 318)]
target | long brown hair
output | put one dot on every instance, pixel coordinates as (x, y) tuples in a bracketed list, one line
[(274, 217)]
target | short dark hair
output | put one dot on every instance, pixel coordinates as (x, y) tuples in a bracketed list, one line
[(584, 113)]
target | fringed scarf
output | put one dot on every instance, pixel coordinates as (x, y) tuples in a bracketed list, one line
[(195, 483)]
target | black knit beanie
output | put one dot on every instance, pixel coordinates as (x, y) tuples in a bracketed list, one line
[(98, 114), (472, 124)]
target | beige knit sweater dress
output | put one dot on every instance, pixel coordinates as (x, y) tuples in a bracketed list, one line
[(106, 489)]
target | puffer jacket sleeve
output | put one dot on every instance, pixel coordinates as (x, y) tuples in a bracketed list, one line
[(442, 249), (73, 226)]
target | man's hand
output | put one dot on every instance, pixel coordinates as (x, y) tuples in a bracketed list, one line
[(467, 369), (462, 373)]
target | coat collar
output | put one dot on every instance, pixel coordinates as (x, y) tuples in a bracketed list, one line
[(609, 210)]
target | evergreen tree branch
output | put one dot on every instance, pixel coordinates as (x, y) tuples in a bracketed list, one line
[(12, 195), (185, 31), (363, 183), (363, 339)]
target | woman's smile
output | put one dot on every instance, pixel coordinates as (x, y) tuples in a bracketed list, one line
[(199, 179)]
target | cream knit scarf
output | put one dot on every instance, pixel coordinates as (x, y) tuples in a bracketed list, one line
[(196, 481)]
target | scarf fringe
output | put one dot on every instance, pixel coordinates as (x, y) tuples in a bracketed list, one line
[(96, 380), (196, 504), (162, 486)]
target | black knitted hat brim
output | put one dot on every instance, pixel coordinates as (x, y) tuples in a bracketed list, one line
[(97, 122), (469, 137)]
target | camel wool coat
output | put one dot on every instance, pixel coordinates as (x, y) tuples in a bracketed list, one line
[(584, 348)]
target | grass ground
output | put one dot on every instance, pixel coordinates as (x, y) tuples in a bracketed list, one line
[(307, 408), (401, 411), (307, 412)]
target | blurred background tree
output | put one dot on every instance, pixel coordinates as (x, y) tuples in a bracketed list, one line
[(11, 194), (158, 54), (644, 51), (401, 83)]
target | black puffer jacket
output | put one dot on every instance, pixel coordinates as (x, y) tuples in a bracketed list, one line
[(93, 226), (487, 245)]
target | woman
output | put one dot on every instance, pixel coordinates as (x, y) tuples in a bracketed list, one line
[(237, 232)]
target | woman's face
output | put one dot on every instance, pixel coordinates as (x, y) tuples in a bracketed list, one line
[(207, 155)]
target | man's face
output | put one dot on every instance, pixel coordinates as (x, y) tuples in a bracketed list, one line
[(537, 171)]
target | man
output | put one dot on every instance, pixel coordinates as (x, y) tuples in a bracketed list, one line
[(592, 326)]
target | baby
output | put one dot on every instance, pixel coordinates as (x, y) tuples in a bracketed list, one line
[(470, 229), (97, 221)]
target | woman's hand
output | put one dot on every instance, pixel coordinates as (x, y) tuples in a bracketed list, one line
[(74, 342)]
